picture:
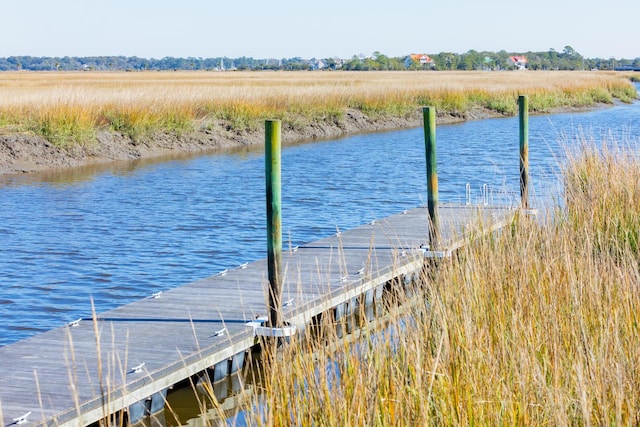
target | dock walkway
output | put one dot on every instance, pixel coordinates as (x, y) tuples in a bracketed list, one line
[(69, 377)]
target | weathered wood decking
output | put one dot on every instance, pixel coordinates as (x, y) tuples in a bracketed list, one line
[(56, 376)]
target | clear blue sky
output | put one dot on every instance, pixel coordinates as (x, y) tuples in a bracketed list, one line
[(320, 28)]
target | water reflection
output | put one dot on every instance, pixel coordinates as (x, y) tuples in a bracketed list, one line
[(189, 407), (93, 171)]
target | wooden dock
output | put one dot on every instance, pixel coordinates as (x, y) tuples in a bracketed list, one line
[(69, 377)]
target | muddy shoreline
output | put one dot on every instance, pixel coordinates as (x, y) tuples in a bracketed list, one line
[(28, 153)]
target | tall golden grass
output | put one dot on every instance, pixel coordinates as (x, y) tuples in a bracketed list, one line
[(538, 325), (70, 107)]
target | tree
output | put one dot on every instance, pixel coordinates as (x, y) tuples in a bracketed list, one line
[(568, 52), (354, 64), (382, 60), (568, 59)]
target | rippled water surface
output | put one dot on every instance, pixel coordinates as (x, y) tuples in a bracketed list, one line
[(114, 235)]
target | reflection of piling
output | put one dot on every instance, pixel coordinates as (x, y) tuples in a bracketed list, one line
[(429, 115), (274, 220), (523, 104)]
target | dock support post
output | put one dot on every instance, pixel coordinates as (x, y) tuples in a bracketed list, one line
[(523, 105), (274, 220), (429, 115)]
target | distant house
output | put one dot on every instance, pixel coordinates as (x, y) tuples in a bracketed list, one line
[(421, 59), (519, 62), (317, 64)]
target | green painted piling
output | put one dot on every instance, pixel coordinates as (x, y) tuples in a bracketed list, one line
[(523, 105), (429, 114), (274, 220)]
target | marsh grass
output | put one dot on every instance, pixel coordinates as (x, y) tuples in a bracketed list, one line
[(536, 325), (69, 108), (64, 125), (609, 211), (139, 123)]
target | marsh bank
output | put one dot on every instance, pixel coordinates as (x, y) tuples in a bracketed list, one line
[(26, 153)]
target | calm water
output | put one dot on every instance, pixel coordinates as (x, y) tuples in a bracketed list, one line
[(119, 234)]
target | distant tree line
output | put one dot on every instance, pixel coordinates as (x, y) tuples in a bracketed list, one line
[(567, 59)]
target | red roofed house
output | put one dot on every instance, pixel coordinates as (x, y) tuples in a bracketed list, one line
[(519, 62), (421, 59)]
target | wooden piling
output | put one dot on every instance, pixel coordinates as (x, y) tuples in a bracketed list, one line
[(274, 220), (432, 176), (523, 106)]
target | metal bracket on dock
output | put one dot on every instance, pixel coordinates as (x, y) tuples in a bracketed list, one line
[(21, 419), (427, 253), (263, 331), (259, 330), (136, 369), (530, 212), (437, 254), (155, 295), (74, 323)]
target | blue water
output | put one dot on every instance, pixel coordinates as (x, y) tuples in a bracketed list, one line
[(114, 235)]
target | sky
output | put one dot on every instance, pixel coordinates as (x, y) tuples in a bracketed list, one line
[(316, 29)]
